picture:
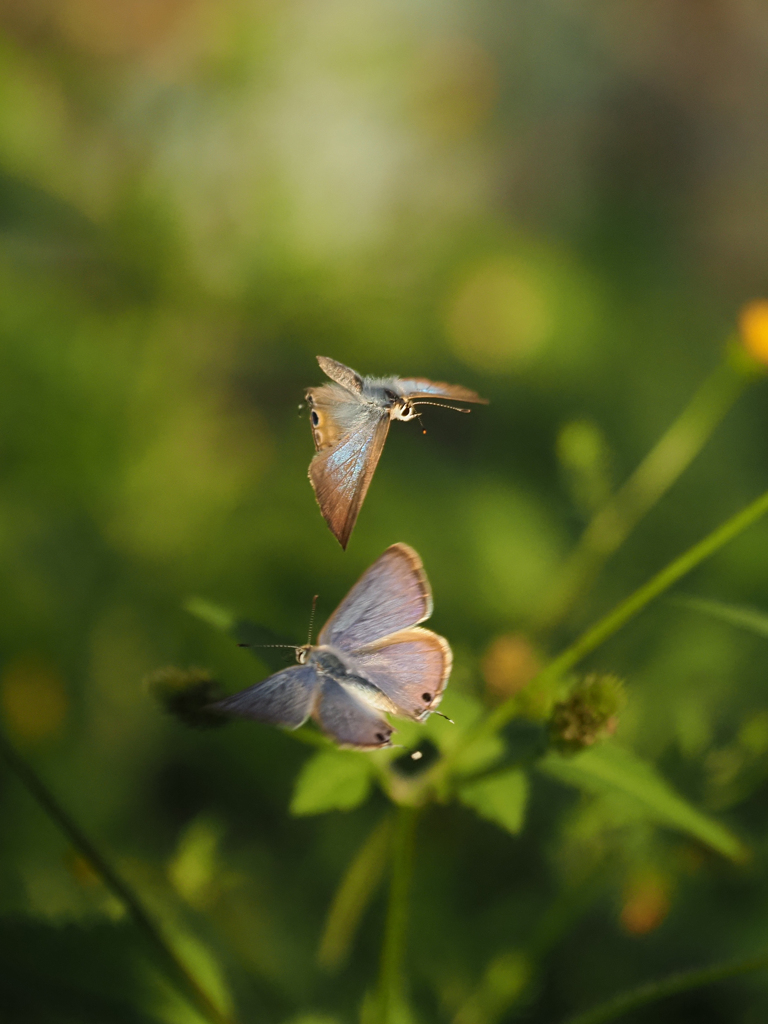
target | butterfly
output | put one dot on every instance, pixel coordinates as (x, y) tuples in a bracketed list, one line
[(350, 420), (371, 658)]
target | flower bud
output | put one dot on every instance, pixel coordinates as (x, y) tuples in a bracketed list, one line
[(588, 714), (187, 694)]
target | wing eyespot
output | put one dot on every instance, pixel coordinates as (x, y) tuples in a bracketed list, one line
[(426, 697), (381, 737), (314, 418)]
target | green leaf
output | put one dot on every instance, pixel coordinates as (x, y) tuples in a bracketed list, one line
[(333, 780), (753, 619), (465, 711), (500, 798), (611, 769), (266, 645), (213, 614), (314, 1018)]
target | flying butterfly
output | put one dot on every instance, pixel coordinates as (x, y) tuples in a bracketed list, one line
[(371, 657), (350, 420)]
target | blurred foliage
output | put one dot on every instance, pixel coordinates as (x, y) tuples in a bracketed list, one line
[(562, 206)]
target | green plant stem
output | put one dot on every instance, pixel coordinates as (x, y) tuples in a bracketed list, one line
[(652, 992), (636, 602), (392, 985), (361, 880), (671, 455), (603, 629), (174, 967)]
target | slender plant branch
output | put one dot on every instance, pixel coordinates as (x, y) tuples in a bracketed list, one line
[(661, 467), (173, 965), (391, 984), (683, 981), (601, 631), (636, 602)]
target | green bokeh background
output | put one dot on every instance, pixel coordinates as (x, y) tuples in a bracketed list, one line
[(561, 205)]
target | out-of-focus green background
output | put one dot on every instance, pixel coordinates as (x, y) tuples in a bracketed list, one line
[(560, 204)]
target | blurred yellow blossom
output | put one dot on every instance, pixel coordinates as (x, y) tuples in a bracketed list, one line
[(647, 899), (33, 698), (753, 326)]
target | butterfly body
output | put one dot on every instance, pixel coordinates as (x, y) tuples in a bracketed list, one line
[(333, 663), (371, 657), (350, 420)]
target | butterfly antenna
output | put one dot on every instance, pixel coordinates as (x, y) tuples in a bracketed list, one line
[(421, 424), (439, 405), (444, 716), (312, 619), (290, 646)]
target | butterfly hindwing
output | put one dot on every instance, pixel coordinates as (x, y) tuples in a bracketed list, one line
[(286, 698), (348, 721), (410, 667), (391, 595)]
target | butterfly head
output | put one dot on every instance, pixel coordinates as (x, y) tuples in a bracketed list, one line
[(401, 408), (302, 653)]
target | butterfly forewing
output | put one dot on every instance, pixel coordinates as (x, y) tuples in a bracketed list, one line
[(411, 667), (286, 698), (420, 387), (340, 475), (391, 595), (349, 721)]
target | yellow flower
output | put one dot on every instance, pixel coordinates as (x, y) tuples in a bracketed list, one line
[(753, 327)]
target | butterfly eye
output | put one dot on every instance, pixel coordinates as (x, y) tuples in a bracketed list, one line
[(426, 697), (315, 419)]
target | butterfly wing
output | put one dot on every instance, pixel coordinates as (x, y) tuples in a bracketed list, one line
[(391, 595), (286, 698), (420, 387), (410, 667), (348, 721), (341, 374), (341, 471)]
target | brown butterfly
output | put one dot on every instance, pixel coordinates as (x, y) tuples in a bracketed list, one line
[(350, 420)]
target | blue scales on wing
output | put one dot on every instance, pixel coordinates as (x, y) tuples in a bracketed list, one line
[(420, 387), (391, 595), (286, 698), (349, 721), (410, 667), (341, 474)]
